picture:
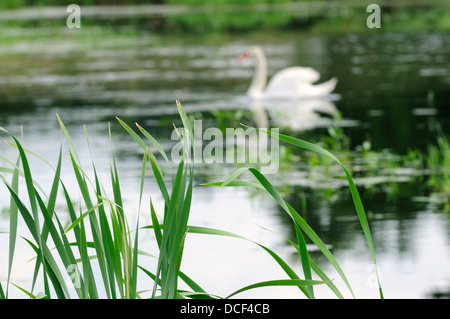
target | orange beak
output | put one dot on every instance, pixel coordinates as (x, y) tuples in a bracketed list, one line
[(243, 56)]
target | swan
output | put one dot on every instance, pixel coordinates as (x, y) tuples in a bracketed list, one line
[(292, 82)]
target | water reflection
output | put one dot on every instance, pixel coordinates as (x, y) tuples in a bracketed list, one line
[(296, 115)]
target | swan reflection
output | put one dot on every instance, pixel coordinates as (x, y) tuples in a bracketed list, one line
[(296, 115)]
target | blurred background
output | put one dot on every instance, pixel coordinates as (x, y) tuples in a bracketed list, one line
[(132, 59)]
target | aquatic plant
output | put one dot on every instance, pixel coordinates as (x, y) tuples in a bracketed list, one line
[(115, 252), (99, 251)]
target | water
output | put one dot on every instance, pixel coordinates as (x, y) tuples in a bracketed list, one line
[(384, 80)]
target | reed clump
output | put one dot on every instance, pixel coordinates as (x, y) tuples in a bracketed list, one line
[(101, 251)]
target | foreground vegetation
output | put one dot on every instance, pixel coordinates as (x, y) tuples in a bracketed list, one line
[(99, 230)]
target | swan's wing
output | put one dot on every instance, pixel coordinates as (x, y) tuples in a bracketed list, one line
[(289, 79), (298, 82), (317, 90)]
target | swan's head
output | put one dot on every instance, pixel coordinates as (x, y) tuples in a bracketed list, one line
[(252, 51)]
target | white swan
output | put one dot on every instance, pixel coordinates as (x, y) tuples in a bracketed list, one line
[(293, 82)]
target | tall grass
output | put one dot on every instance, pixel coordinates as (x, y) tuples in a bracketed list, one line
[(115, 253), (100, 250), (171, 235)]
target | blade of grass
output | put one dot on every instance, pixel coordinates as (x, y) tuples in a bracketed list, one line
[(126, 263), (91, 286), (174, 273), (72, 260), (53, 194), (133, 293), (95, 228), (55, 186), (32, 198), (197, 295), (66, 133), (296, 219), (354, 191), (321, 274), (301, 223), (217, 232), (181, 225), (72, 214), (13, 217), (155, 143), (21, 174), (176, 214), (117, 193), (106, 257), (133, 134), (51, 206), (233, 176), (159, 179), (29, 294), (63, 249), (166, 260), (304, 257), (27, 151), (185, 120), (79, 240), (29, 185), (194, 286), (153, 277), (51, 270), (127, 253), (133, 286), (136, 137), (235, 184), (107, 241), (176, 209), (118, 244), (57, 241), (143, 170), (277, 283), (82, 216), (2, 293), (157, 229)]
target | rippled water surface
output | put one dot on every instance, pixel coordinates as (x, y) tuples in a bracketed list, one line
[(384, 81)]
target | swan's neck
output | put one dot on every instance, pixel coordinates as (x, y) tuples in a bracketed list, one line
[(260, 77)]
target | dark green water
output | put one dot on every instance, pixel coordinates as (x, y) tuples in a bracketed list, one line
[(384, 81)]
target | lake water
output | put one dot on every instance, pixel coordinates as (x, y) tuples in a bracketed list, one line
[(384, 81)]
